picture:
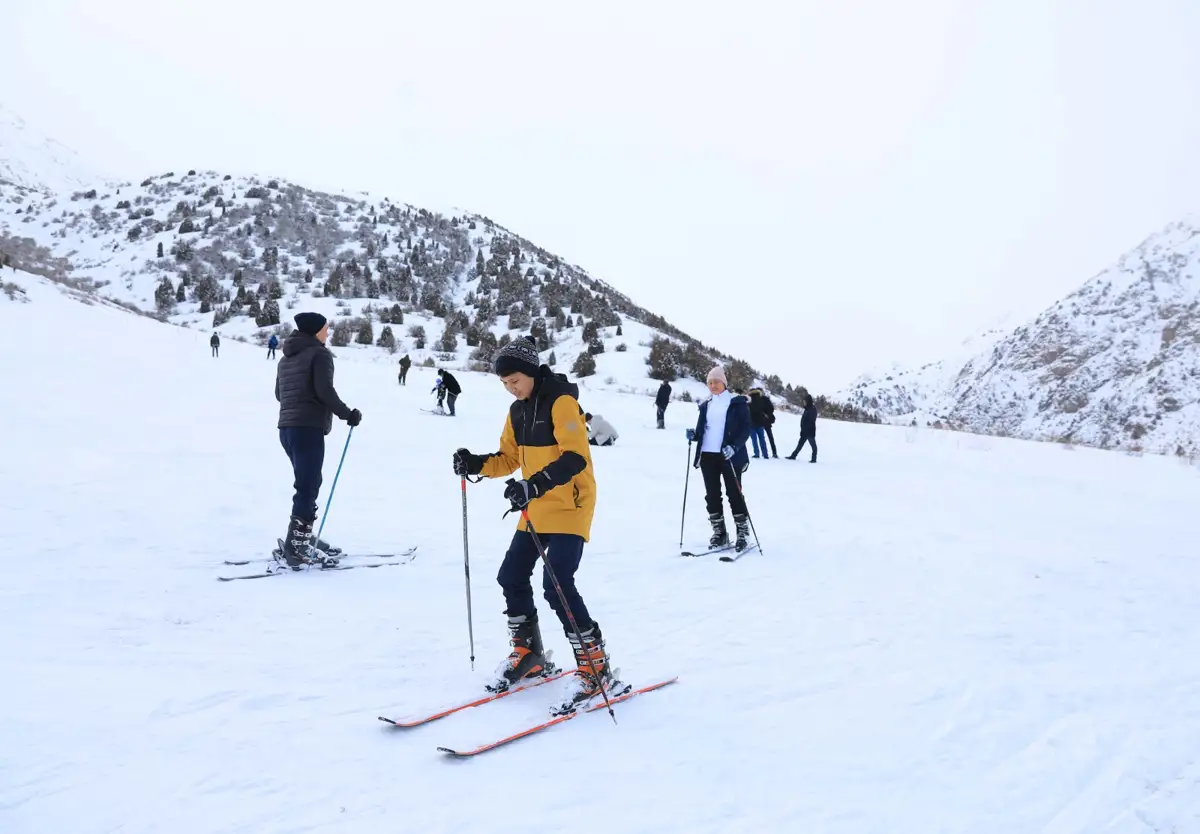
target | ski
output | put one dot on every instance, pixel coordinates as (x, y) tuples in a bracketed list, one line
[(397, 555), (721, 549), (285, 570), (750, 548), (537, 728), (436, 413), (486, 699)]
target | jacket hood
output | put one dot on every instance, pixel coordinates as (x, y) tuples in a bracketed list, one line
[(299, 342), (548, 381)]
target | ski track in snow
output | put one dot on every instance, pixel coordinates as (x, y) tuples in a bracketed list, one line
[(944, 633)]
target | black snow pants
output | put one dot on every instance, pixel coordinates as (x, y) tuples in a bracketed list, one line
[(565, 551), (715, 470)]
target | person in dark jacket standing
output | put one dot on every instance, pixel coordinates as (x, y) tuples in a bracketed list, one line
[(808, 429), (661, 401), (544, 436), (721, 432), (215, 344), (758, 422), (272, 343), (405, 364), (453, 389), (307, 403)]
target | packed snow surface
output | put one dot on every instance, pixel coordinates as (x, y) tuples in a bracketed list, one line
[(945, 633)]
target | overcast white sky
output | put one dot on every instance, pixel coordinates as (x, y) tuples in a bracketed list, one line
[(820, 187)]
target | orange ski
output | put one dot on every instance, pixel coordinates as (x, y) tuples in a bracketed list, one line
[(537, 728), (486, 699)]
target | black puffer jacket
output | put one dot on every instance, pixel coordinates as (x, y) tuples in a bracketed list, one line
[(451, 383), (761, 410), (808, 420), (663, 398), (304, 385)]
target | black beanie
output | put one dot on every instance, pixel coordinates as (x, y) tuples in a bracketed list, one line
[(518, 356), (310, 323)]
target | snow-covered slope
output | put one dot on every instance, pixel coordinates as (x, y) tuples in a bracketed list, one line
[(1115, 364), (31, 160), (242, 254), (942, 635)]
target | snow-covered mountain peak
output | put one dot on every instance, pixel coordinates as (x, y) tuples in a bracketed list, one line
[(32, 160), (1114, 364)]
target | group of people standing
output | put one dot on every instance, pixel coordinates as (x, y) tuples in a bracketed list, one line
[(546, 435)]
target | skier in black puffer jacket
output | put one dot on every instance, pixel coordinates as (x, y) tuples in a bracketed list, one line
[(307, 403)]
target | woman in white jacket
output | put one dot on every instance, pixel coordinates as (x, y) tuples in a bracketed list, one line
[(600, 431)]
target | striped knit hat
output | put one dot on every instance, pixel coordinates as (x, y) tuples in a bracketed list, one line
[(519, 356)]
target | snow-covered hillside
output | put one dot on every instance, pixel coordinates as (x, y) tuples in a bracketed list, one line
[(32, 161), (1116, 364), (241, 255), (943, 634)]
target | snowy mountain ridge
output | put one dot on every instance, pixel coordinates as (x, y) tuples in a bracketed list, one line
[(33, 161), (1115, 364), (242, 254)]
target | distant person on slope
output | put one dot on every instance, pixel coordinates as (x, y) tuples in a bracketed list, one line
[(453, 389), (600, 431), (661, 401), (762, 413), (215, 344), (720, 436), (405, 363), (808, 429), (307, 403), (544, 437), (272, 343)]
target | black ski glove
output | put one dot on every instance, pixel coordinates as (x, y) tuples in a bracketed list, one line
[(466, 463), (520, 493), (354, 419)]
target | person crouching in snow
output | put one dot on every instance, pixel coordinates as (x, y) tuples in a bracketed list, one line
[(600, 431), (721, 432), (544, 436)]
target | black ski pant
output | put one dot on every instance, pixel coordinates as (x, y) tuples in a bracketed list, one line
[(564, 551), (270, 353), (305, 448), (215, 348), (662, 415), (404, 376), (804, 438), (450, 398), (771, 437), (716, 469)]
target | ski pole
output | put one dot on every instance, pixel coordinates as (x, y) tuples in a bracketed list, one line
[(737, 480), (686, 475), (562, 598), (329, 500), (467, 571)]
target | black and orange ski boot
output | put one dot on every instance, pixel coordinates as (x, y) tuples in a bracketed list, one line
[(527, 659), (593, 672)]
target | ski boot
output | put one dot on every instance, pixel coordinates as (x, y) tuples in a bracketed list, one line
[(296, 544), (720, 537), (298, 551), (527, 659), (593, 673), (326, 548), (742, 524)]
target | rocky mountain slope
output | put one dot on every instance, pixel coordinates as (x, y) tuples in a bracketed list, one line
[(1116, 364), (240, 255)]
